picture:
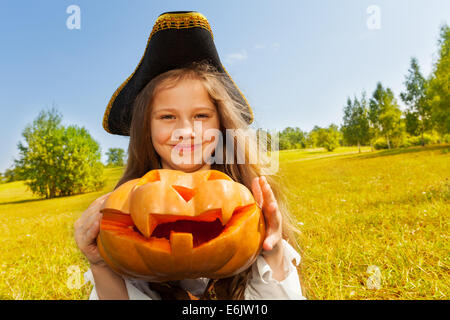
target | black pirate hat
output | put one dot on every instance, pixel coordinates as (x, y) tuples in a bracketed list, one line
[(178, 38)]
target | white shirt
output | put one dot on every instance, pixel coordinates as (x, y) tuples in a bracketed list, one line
[(260, 285)]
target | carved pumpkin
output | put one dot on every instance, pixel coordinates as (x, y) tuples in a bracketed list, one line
[(170, 225)]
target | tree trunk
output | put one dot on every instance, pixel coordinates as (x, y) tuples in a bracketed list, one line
[(388, 142), (359, 148), (423, 129)]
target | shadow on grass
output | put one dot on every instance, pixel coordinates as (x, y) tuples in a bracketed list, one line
[(22, 201), (440, 194), (303, 151), (398, 151), (43, 199)]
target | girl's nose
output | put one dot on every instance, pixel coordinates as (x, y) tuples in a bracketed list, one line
[(185, 133), (187, 130)]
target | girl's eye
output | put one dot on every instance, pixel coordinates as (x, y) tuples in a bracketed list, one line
[(166, 116), (202, 115)]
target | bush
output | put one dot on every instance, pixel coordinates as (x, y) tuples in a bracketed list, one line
[(417, 140), (446, 138), (328, 138), (380, 143)]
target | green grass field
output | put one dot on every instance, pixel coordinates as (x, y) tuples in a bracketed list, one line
[(388, 209)]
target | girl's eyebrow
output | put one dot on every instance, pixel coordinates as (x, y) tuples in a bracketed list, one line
[(176, 110), (165, 109)]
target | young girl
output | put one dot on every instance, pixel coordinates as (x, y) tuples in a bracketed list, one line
[(158, 105), (174, 100)]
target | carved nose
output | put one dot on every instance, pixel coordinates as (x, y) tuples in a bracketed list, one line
[(185, 193)]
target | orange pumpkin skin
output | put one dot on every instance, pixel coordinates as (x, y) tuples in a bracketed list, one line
[(170, 225)]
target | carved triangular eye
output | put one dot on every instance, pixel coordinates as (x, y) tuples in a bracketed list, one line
[(186, 193), (217, 175), (151, 176)]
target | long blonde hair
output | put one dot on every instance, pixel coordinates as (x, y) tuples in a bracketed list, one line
[(142, 156)]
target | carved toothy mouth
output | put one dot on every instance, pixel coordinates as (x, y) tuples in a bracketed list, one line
[(202, 231), (174, 228), (203, 227)]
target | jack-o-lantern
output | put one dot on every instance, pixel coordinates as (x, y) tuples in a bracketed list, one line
[(170, 225)]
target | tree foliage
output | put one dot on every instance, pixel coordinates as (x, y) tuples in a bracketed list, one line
[(418, 115), (438, 91), (292, 138), (10, 175), (57, 160), (385, 114), (355, 128), (115, 157), (327, 138)]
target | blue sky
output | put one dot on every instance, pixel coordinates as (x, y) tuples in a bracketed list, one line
[(296, 61)]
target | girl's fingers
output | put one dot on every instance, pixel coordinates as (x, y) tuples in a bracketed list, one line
[(87, 228), (87, 220), (89, 235), (272, 215), (93, 231), (267, 202), (272, 208), (271, 240), (267, 193), (96, 204), (95, 218), (84, 232), (273, 220), (257, 192), (92, 210)]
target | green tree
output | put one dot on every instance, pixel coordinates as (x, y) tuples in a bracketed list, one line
[(115, 157), (311, 140), (58, 161), (283, 143), (355, 128), (375, 104), (10, 175), (412, 123), (292, 138), (418, 114), (328, 138), (385, 114), (438, 89), (264, 138)]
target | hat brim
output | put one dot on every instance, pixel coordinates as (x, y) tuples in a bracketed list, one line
[(171, 45)]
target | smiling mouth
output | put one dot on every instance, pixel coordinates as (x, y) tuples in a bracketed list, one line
[(187, 148)]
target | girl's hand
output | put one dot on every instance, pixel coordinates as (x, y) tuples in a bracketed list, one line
[(87, 228), (266, 200)]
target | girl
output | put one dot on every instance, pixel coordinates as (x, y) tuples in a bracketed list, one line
[(174, 100)]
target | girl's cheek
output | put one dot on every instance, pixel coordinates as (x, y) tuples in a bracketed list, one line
[(160, 135)]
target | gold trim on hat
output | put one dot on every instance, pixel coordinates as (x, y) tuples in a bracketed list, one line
[(168, 21), (181, 21)]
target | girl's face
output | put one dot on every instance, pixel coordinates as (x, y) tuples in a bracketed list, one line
[(177, 108)]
